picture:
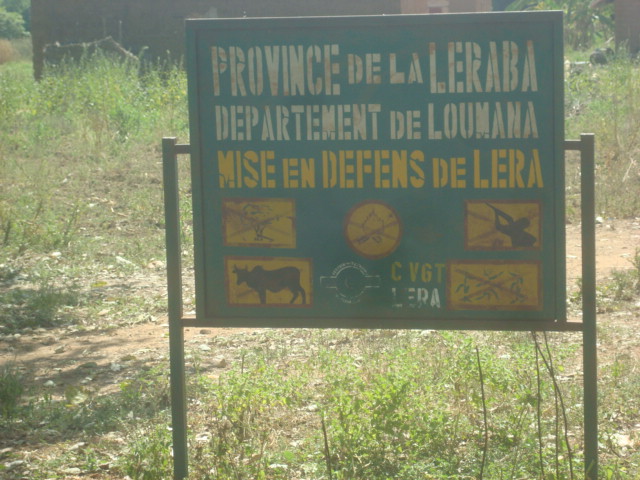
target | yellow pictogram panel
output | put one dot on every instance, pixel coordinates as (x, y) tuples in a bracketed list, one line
[(502, 225), (498, 285), (259, 222), (373, 229), (268, 281)]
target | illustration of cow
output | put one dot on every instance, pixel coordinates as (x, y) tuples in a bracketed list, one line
[(262, 280)]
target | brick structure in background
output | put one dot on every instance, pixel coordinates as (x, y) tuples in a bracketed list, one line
[(444, 6), (158, 25)]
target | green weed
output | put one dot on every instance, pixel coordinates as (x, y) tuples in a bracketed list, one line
[(11, 390), (39, 306), (146, 394), (148, 457), (400, 406)]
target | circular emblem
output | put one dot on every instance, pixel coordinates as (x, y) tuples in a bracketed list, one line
[(350, 280), (372, 229)]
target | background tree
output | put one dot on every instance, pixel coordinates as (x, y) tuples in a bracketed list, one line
[(11, 25), (22, 8), (584, 26)]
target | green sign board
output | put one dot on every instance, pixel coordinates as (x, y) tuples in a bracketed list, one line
[(395, 171)]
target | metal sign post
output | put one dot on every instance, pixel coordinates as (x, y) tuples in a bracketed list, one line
[(586, 147), (344, 178), (170, 151)]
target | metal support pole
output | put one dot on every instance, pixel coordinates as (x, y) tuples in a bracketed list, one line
[(590, 366), (174, 294)]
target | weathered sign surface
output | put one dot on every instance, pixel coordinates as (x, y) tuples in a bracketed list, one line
[(378, 171)]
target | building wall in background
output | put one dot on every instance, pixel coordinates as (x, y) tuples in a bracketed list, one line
[(158, 25), (444, 6)]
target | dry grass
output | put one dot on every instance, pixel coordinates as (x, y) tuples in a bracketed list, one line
[(7, 52)]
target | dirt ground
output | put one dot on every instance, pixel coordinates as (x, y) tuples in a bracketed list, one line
[(59, 357)]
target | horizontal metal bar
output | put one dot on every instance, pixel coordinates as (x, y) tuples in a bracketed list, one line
[(493, 325), (182, 149), (573, 145)]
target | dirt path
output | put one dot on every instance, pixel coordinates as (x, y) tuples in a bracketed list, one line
[(58, 358), (616, 244)]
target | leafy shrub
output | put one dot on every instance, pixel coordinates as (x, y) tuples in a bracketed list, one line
[(11, 25), (148, 457), (21, 7)]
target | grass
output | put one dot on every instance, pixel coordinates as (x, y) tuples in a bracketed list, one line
[(11, 390), (375, 405), (80, 179), (604, 100), (391, 408), (81, 232)]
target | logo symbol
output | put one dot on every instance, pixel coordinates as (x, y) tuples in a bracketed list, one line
[(372, 229), (350, 280)]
